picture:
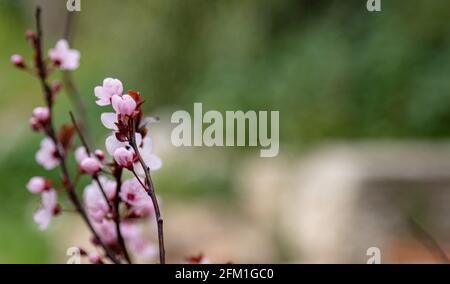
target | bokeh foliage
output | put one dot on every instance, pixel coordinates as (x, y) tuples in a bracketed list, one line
[(332, 69)]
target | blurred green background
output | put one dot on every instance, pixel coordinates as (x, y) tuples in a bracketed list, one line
[(332, 69)]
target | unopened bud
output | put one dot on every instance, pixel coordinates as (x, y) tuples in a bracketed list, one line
[(30, 36), (95, 258), (99, 154), (35, 124), (17, 60)]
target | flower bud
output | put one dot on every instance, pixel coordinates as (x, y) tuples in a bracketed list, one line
[(124, 105), (95, 258), (99, 154), (124, 157), (38, 184), (17, 60), (80, 154), (30, 36), (34, 124), (90, 165), (39, 118), (42, 114)]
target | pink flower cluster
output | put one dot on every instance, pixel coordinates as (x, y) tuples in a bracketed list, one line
[(89, 163), (117, 144), (49, 203), (48, 156), (117, 210), (137, 203), (64, 57), (120, 201)]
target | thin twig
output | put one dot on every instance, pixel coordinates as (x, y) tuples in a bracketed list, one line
[(151, 192), (80, 134), (140, 181), (50, 131)]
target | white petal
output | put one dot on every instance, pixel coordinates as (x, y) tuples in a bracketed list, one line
[(115, 101), (62, 45), (112, 144), (154, 162), (99, 92), (80, 154), (147, 145), (42, 217), (138, 138), (49, 200), (109, 119)]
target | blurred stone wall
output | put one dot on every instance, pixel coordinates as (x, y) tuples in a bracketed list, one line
[(339, 200)]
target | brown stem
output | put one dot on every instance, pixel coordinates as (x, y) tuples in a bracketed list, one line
[(50, 131), (151, 192), (80, 134), (139, 180), (102, 190)]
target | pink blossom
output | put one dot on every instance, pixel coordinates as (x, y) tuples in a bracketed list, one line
[(124, 105), (124, 157), (49, 207), (145, 211), (144, 249), (80, 154), (17, 60), (94, 258), (136, 241), (90, 166), (112, 144), (37, 185), (47, 154), (42, 114), (96, 205), (109, 186), (107, 231), (87, 163), (151, 160), (133, 193), (110, 88), (99, 154), (39, 118), (30, 36), (34, 123), (98, 210), (63, 56), (129, 230), (109, 120)]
